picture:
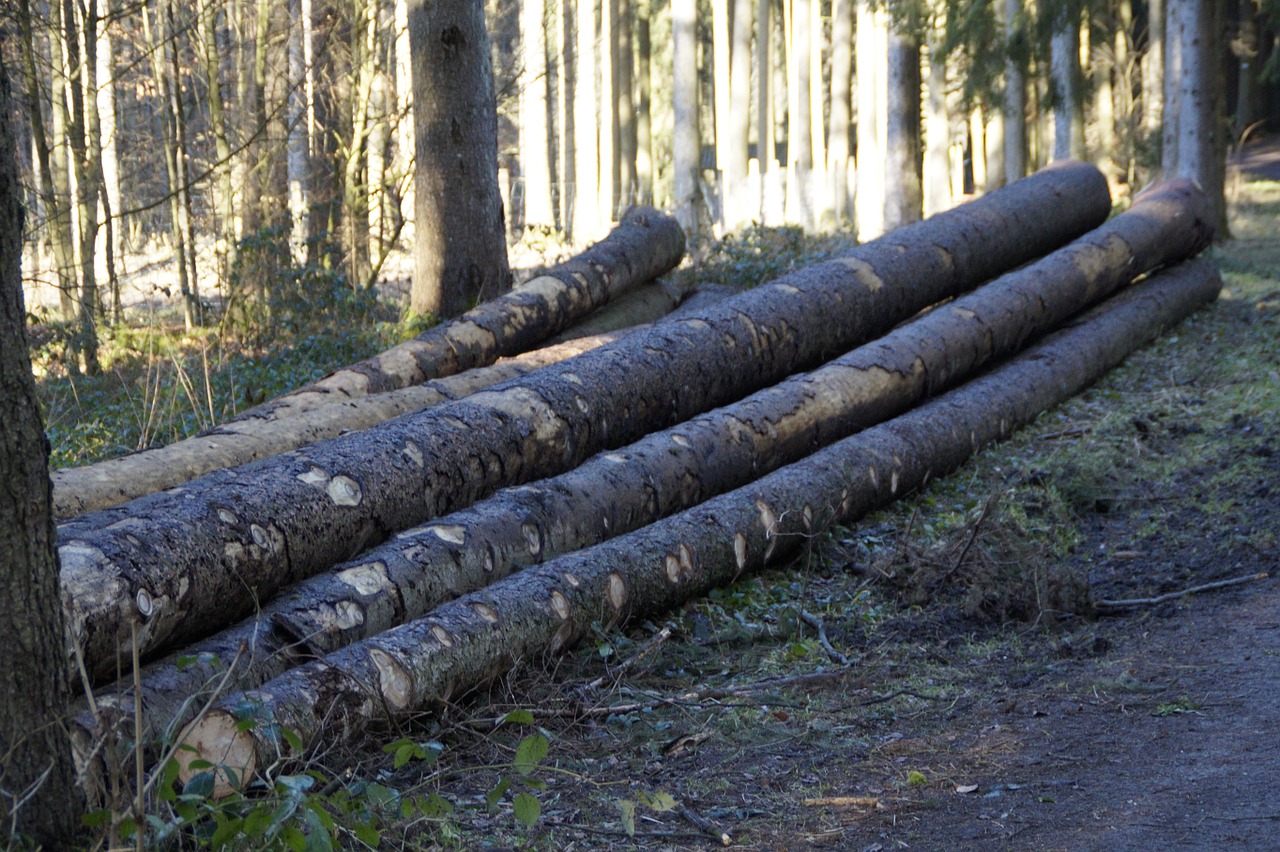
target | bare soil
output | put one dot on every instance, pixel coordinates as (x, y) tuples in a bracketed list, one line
[(974, 691)]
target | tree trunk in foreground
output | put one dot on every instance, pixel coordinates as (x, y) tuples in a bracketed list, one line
[(640, 249), (38, 795), (616, 492), (460, 238), (115, 481), (546, 609), (192, 559)]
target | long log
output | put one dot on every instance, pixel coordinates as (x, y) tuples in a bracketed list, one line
[(619, 491), (114, 481), (182, 563), (109, 483), (646, 244), (546, 609)]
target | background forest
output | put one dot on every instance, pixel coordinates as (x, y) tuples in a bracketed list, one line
[(244, 148)]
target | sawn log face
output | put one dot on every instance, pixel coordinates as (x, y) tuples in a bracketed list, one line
[(544, 609), (188, 560)]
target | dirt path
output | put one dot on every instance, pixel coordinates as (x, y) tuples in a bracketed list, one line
[(1167, 739)]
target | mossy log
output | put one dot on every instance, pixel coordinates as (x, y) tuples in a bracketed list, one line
[(182, 563), (670, 470), (546, 609), (645, 244)]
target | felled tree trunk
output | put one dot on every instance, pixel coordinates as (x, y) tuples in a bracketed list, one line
[(184, 562), (645, 245), (545, 609), (115, 481), (667, 471)]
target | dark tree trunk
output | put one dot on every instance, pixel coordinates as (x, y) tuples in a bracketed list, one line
[(189, 560), (35, 754), (460, 248), (546, 609)]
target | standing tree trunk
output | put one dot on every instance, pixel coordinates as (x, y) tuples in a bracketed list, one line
[(460, 248), (1154, 94), (624, 104), (1193, 138), (902, 202), (1064, 59), (1015, 90), (735, 197), (535, 150), (36, 773), (841, 95), (586, 153), (687, 142), (51, 161), (936, 178), (800, 149), (211, 549), (644, 117), (765, 153), (871, 57)]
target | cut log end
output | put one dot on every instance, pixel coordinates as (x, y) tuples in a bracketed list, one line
[(217, 739)]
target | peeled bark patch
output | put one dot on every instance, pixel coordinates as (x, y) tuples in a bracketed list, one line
[(207, 572), (323, 700)]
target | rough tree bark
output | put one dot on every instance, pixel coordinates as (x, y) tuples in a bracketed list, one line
[(460, 243), (617, 492), (546, 609), (115, 481), (640, 249), (193, 558), (37, 777)]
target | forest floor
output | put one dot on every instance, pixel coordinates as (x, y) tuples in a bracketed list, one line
[(973, 692)]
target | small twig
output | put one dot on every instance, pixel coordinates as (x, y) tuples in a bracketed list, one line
[(650, 645), (973, 536), (706, 694), (706, 825), (880, 699), (1067, 433), (1132, 603), (817, 623)]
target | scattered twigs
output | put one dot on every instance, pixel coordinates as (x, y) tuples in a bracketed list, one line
[(1133, 603), (973, 537), (817, 624), (870, 802), (897, 693), (705, 824), (648, 647), (713, 693)]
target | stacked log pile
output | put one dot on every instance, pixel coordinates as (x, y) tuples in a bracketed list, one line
[(632, 476)]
